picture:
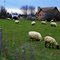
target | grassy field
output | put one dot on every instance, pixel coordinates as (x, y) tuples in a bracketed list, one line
[(17, 45)]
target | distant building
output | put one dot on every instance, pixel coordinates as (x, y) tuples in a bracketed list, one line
[(14, 15), (48, 13)]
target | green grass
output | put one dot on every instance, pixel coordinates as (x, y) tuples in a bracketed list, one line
[(15, 38)]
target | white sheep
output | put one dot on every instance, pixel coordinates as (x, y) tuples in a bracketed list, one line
[(43, 22), (51, 42), (33, 23), (52, 20), (35, 35), (54, 24), (8, 18), (16, 21)]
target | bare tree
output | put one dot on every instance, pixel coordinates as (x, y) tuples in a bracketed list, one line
[(24, 9), (3, 12), (32, 10)]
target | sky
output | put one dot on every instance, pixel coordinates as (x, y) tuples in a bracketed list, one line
[(35, 3), (13, 4)]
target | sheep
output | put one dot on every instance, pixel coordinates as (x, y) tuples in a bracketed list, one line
[(54, 24), (43, 22), (35, 35), (51, 42), (52, 20), (8, 18), (16, 21), (33, 23)]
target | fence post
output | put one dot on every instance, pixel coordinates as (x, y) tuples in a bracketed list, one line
[(0, 38)]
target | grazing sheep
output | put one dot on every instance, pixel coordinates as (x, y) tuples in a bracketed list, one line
[(8, 18), (52, 20), (33, 22), (16, 21), (35, 35), (43, 22), (54, 24), (51, 42)]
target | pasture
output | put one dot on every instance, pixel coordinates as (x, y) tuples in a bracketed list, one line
[(17, 45)]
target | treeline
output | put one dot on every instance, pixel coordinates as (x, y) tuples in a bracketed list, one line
[(4, 13), (27, 10)]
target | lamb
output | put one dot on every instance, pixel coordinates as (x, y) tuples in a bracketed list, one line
[(35, 35), (33, 22), (54, 24), (43, 22), (16, 21), (51, 42)]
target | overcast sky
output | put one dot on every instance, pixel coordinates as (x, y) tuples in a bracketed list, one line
[(19, 3)]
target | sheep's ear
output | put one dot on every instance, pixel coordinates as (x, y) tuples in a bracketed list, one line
[(57, 47)]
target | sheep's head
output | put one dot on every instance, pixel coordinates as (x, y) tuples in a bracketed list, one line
[(57, 46)]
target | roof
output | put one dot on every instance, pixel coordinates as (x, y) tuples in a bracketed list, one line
[(49, 9)]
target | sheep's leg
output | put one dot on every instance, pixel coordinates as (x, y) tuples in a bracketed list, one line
[(49, 45), (37, 40), (45, 44), (31, 38), (52, 45), (57, 46)]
